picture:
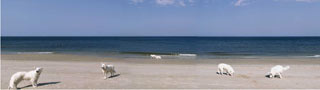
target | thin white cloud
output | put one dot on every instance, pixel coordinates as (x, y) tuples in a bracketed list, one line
[(181, 3), (236, 3), (137, 1), (246, 2), (241, 3), (309, 1), (165, 2)]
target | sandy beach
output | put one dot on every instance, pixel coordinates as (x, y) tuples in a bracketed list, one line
[(83, 72)]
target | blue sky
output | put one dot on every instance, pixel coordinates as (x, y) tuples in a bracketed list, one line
[(160, 17)]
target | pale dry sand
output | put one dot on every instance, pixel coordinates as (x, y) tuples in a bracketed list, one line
[(83, 72)]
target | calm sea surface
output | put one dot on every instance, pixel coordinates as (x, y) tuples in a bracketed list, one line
[(168, 47)]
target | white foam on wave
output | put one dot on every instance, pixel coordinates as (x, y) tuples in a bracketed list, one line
[(314, 56), (34, 52), (188, 55)]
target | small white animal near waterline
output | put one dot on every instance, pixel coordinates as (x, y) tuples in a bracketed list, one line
[(225, 67), (277, 70), (155, 56), (106, 69), (32, 76)]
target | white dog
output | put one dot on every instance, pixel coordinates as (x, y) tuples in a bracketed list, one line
[(155, 56), (278, 69), (225, 67), (106, 69), (33, 76)]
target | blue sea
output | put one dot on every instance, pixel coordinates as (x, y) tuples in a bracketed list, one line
[(167, 47)]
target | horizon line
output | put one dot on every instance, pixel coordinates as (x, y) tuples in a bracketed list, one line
[(160, 36)]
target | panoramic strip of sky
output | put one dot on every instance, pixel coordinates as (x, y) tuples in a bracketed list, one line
[(160, 17)]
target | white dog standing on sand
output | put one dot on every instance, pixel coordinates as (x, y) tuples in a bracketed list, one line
[(33, 76), (155, 56), (106, 69), (225, 67), (278, 69)]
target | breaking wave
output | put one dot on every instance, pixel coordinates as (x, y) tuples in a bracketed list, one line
[(188, 55), (35, 52)]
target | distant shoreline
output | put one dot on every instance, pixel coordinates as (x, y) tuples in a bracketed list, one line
[(177, 36), (146, 55), (89, 58)]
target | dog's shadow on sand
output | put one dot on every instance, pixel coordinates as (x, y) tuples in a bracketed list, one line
[(222, 73), (267, 76), (40, 84), (114, 76), (276, 76)]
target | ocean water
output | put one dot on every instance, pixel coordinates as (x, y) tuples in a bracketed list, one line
[(167, 47)]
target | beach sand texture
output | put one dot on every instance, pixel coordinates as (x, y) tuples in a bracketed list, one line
[(83, 72)]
